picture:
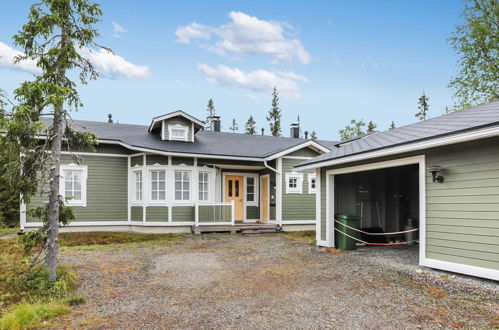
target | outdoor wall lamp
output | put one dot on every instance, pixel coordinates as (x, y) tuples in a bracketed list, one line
[(434, 170)]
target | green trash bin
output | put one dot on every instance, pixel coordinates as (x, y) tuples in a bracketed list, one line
[(344, 242)]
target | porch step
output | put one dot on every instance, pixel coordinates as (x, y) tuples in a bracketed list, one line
[(242, 228), (259, 231)]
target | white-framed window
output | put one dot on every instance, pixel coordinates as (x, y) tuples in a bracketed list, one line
[(294, 183), (250, 189), (178, 132), (312, 183), (73, 184), (158, 185), (204, 186), (138, 186), (182, 185)]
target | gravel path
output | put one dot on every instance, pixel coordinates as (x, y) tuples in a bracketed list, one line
[(256, 282)]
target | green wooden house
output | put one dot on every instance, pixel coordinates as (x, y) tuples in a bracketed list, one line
[(173, 175), (441, 174)]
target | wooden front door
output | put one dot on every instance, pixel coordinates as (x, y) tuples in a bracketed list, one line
[(264, 197), (234, 191)]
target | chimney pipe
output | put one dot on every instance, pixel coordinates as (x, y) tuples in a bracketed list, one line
[(263, 131), (110, 118), (306, 135), (295, 131), (216, 123)]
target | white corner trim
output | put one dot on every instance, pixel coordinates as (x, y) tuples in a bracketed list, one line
[(416, 146), (491, 274), (298, 147), (318, 201), (278, 184)]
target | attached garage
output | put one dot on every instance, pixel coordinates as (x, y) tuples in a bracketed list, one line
[(441, 175)]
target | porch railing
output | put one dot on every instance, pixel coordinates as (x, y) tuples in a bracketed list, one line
[(206, 214)]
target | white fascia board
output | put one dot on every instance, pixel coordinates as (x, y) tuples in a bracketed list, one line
[(179, 154), (416, 146), (298, 147), (175, 114)]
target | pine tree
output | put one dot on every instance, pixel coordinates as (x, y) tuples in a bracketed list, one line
[(250, 126), (423, 107), (210, 109), (235, 127), (275, 114), (392, 125), (313, 135), (371, 127)]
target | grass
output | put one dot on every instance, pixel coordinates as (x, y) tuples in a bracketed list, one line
[(8, 231), (306, 236), (109, 238), (31, 315)]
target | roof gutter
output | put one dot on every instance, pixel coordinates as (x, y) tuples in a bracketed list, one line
[(270, 167), (416, 146)]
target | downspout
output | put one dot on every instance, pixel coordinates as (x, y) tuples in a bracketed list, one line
[(270, 167)]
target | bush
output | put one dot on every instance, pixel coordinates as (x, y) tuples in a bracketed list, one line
[(30, 315)]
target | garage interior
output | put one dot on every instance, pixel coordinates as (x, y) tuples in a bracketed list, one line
[(385, 200)]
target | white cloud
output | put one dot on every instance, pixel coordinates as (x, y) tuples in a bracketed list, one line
[(247, 35), (115, 65), (370, 62), (254, 81), (118, 30), (7, 56)]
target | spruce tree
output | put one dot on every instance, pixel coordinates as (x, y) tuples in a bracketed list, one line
[(235, 127), (392, 125), (275, 114), (313, 135), (371, 127), (250, 126), (210, 109), (423, 107)]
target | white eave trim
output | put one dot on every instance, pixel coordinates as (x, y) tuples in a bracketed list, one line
[(416, 146), (298, 147), (175, 114)]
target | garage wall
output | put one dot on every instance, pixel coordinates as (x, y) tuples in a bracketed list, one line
[(462, 217)]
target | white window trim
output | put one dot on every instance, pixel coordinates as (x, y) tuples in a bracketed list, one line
[(184, 168), (133, 186), (84, 176), (299, 183), (148, 186), (312, 176), (256, 185), (180, 128), (211, 184)]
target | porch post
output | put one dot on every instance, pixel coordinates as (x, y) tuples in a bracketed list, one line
[(233, 212)]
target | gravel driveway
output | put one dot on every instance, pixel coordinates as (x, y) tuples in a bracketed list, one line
[(234, 281)]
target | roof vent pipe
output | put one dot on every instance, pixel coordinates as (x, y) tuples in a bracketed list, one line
[(263, 131), (110, 118), (306, 135), (216, 123), (295, 131)]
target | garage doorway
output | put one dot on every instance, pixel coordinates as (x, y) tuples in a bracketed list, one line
[(387, 197)]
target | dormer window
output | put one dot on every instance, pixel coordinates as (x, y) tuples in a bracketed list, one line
[(178, 133)]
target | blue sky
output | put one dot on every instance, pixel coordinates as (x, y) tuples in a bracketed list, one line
[(333, 61)]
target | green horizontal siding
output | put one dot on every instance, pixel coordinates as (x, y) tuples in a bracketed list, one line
[(183, 160), (252, 212), (137, 160), (305, 152), (156, 214), (462, 220), (156, 159), (215, 213), (183, 213), (137, 213), (296, 206)]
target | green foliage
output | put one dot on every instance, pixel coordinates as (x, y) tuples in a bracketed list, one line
[(371, 127), (353, 130), (234, 127), (313, 135), (250, 126), (27, 315), (75, 301), (423, 107), (275, 114), (210, 109), (107, 238), (476, 42), (392, 125)]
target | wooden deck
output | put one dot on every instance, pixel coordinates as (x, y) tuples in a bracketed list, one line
[(244, 228)]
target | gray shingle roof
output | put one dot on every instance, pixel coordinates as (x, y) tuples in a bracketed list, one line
[(206, 142), (469, 119)]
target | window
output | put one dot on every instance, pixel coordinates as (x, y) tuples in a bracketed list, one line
[(203, 186), (158, 185), (312, 182), (294, 183), (250, 189), (182, 185), (138, 185), (178, 132), (73, 184)]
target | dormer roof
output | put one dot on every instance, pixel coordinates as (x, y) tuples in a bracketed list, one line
[(156, 121)]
